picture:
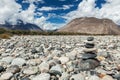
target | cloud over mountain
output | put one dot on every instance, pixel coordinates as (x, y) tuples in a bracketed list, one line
[(87, 8)]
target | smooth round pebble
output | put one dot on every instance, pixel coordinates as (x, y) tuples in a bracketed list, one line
[(26, 78), (107, 77), (6, 76), (7, 59), (30, 70), (1, 69), (42, 76), (94, 77), (77, 77), (18, 61), (90, 38), (56, 68), (14, 69), (88, 56), (88, 64), (64, 60), (44, 67)]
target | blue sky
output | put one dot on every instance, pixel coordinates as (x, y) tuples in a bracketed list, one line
[(53, 3), (51, 14), (56, 3)]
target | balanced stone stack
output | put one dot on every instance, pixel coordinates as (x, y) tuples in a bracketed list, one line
[(89, 60)]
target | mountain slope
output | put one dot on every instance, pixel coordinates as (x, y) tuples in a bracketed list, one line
[(91, 25), (21, 26)]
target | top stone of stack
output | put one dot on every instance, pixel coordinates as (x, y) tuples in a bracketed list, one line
[(90, 38)]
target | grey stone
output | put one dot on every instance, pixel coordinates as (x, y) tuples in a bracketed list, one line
[(14, 69), (88, 64), (56, 68), (34, 51), (90, 38), (89, 45), (55, 72), (2, 69), (7, 59), (26, 78), (18, 61), (117, 76), (88, 56)]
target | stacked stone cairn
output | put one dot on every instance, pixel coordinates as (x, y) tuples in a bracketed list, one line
[(89, 61)]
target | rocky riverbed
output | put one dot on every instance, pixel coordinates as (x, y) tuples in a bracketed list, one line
[(60, 58)]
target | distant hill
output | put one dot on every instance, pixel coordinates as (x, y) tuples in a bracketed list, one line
[(91, 25), (21, 26)]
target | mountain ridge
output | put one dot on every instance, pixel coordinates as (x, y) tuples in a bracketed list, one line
[(21, 26), (91, 25)]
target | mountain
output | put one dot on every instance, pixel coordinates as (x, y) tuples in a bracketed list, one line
[(21, 26), (91, 25)]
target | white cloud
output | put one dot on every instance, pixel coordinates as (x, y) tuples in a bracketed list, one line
[(40, 21), (111, 10), (8, 10), (65, 7), (52, 26), (85, 8), (11, 11), (31, 1), (46, 9), (28, 15)]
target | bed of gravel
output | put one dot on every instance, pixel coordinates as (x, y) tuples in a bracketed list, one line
[(59, 58)]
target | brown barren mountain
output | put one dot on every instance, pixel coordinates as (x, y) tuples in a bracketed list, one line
[(91, 25)]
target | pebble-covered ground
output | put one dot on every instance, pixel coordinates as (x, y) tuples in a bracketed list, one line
[(60, 58)]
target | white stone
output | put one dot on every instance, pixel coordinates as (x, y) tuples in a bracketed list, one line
[(94, 77), (90, 49), (65, 76), (33, 61), (64, 60), (71, 55), (56, 52), (77, 77), (18, 61), (107, 77), (44, 67), (42, 76), (31, 70), (6, 76), (7, 59)]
